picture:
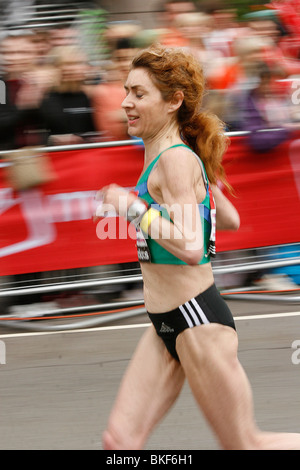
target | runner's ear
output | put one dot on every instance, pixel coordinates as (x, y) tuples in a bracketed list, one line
[(176, 101)]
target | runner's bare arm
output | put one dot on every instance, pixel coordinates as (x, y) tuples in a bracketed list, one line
[(184, 237), (227, 217)]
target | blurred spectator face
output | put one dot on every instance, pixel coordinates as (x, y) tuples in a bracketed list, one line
[(123, 59), (175, 9), (224, 19), (42, 43), (193, 25), (265, 28), (18, 55), (250, 50), (63, 37), (72, 66), (73, 69)]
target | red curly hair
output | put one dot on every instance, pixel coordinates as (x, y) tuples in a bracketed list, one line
[(173, 69)]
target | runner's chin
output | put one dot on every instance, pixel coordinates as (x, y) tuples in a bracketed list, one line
[(133, 131)]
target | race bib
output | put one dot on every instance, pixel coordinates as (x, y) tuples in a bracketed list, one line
[(143, 251), (211, 249)]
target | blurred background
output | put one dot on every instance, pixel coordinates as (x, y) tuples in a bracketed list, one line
[(63, 66)]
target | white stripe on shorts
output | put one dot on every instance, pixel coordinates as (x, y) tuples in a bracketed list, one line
[(193, 313), (186, 316), (200, 311)]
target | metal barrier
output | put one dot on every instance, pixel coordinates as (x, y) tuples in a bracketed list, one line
[(118, 143), (127, 309), (234, 268), (236, 265)]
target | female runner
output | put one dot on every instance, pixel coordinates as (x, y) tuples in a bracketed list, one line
[(178, 208)]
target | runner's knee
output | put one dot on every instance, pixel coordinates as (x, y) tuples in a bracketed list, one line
[(209, 341), (113, 439)]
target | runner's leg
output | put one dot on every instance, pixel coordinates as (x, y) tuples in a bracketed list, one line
[(208, 355), (149, 388)]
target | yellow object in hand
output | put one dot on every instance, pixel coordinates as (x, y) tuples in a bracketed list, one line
[(148, 218)]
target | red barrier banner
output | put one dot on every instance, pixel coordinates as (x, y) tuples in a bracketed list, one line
[(267, 195), (51, 227)]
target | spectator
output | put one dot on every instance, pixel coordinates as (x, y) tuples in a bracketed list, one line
[(119, 31), (170, 34), (224, 31), (20, 123), (110, 118), (41, 40), (63, 35), (67, 109), (195, 28), (275, 53), (241, 70), (122, 56), (235, 77), (263, 108)]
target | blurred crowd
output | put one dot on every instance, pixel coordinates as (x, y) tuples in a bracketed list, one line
[(56, 96)]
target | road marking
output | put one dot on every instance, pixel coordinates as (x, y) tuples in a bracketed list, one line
[(267, 315), (139, 325)]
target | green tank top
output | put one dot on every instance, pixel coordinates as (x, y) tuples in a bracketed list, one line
[(155, 252)]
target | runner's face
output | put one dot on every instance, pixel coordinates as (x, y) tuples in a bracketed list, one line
[(146, 110)]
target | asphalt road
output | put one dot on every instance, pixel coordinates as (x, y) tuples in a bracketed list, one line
[(57, 388)]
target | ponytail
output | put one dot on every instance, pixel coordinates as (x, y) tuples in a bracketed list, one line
[(205, 134)]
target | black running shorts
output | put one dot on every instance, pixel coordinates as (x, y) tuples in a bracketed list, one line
[(207, 307)]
